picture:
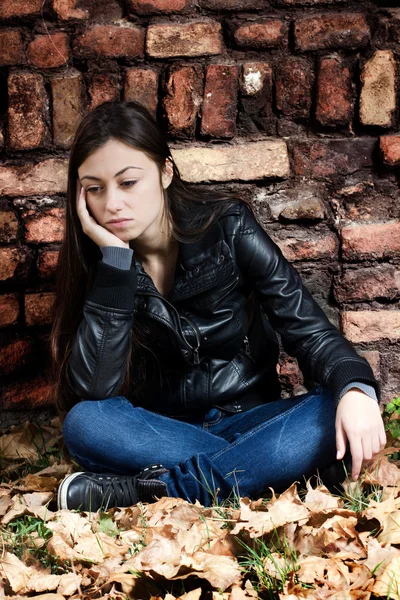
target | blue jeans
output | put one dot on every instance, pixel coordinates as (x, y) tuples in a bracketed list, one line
[(219, 455)]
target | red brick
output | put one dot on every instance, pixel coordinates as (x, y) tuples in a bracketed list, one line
[(332, 157), (8, 227), (308, 2), (300, 245), (256, 77), (154, 7), (47, 263), (305, 201), (32, 392), (141, 85), (26, 105), (334, 99), (293, 87), (374, 359), (378, 91), (15, 355), (49, 51), (46, 227), (11, 47), (66, 10), (67, 107), (103, 87), (371, 326), (10, 260), (19, 8), (379, 240), (9, 309), (46, 177), (333, 30), (196, 38), (267, 33), (232, 4), (290, 375), (220, 100), (357, 285), (390, 147), (111, 41), (38, 308), (184, 92)]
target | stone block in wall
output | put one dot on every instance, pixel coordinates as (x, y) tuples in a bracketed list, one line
[(46, 177), (142, 85), (334, 93), (154, 7), (34, 391), (27, 105), (14, 263), (102, 88), (11, 47), (48, 226), (328, 31), (15, 355), (378, 91), (305, 201), (9, 227), (49, 51), (255, 108), (301, 244), (218, 118), (231, 4), (367, 242), (20, 8), (310, 3), (196, 38), (112, 41), (9, 310), (363, 284), (66, 91), (183, 98), (254, 160), (66, 9), (47, 263), (264, 33), (390, 148), (323, 159), (38, 308), (391, 376), (363, 326), (290, 375), (294, 79)]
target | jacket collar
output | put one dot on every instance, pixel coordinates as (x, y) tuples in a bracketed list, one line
[(200, 266)]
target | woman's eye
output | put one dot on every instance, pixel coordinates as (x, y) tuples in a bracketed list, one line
[(93, 190), (129, 183)]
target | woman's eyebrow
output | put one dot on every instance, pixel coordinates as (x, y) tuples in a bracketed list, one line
[(116, 174)]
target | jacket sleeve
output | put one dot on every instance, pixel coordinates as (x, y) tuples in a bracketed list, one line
[(324, 355), (100, 349)]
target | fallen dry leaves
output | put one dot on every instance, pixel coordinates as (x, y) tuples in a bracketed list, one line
[(312, 545)]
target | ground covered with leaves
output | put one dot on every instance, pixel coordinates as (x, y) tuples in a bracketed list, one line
[(303, 543)]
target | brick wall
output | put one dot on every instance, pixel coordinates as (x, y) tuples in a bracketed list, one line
[(292, 102)]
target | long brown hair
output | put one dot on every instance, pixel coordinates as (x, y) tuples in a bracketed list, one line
[(131, 123)]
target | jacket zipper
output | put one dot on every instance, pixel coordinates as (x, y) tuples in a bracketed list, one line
[(196, 358), (247, 345)]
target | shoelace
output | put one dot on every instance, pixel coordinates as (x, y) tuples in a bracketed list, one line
[(118, 491)]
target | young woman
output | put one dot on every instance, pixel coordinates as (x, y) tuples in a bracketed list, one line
[(164, 340)]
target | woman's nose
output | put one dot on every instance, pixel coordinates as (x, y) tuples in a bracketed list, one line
[(113, 200)]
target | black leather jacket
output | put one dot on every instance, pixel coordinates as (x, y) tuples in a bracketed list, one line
[(213, 339)]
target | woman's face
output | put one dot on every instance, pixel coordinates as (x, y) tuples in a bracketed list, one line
[(123, 183)]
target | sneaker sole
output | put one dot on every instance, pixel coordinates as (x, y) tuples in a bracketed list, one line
[(62, 491)]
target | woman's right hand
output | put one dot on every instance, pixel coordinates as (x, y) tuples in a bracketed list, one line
[(99, 234)]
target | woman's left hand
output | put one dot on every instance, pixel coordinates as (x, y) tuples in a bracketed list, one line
[(359, 420)]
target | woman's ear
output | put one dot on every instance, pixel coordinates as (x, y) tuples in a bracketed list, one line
[(167, 173)]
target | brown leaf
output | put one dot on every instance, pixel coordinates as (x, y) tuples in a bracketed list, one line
[(15, 571), (387, 583), (29, 504), (69, 584)]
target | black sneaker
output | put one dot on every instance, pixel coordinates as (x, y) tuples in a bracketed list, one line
[(333, 475), (94, 491)]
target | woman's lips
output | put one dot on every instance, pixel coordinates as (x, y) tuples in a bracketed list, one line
[(121, 223)]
